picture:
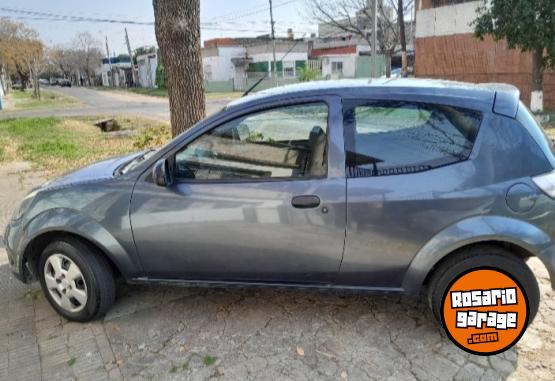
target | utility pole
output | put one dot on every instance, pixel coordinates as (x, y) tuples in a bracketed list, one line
[(374, 40), (133, 74), (273, 43), (111, 78)]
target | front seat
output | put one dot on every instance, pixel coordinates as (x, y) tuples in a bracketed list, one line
[(317, 162)]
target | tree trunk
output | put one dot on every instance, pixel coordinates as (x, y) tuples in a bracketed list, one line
[(538, 67), (402, 36), (38, 81), (177, 27), (23, 77), (387, 54)]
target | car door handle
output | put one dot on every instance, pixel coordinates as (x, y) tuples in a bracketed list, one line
[(305, 202)]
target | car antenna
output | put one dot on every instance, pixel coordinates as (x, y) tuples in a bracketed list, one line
[(247, 92)]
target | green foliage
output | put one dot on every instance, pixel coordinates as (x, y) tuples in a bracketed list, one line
[(50, 148), (255, 137), (23, 100), (61, 144), (29, 128), (2, 154), (209, 360), (152, 137), (306, 74), (40, 139), (160, 75), (179, 368), (526, 24), (71, 361), (258, 137)]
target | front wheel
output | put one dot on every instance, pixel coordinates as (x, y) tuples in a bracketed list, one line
[(77, 280)]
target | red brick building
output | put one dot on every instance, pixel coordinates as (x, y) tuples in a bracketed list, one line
[(446, 48)]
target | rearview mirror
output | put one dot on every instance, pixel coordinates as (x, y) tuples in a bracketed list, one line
[(161, 173)]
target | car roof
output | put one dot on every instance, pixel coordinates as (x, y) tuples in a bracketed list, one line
[(503, 98)]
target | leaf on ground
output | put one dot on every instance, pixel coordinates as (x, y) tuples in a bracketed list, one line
[(300, 351), (71, 361)]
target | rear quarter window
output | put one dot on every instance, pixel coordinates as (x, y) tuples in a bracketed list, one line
[(396, 137)]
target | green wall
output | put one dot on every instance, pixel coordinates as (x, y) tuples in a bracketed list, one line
[(364, 66), (218, 86)]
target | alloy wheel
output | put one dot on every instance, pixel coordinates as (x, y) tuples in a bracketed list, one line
[(65, 283)]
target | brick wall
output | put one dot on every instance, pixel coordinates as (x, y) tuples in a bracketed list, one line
[(462, 57)]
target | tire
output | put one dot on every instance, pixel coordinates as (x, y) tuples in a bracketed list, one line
[(65, 286), (475, 257)]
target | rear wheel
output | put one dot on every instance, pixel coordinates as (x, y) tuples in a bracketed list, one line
[(476, 257), (76, 279)]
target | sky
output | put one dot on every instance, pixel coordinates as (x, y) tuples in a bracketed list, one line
[(219, 18)]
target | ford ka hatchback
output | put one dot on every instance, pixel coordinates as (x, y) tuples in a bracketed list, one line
[(390, 186)]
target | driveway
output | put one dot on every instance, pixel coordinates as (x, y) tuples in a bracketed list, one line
[(245, 334), (98, 102)]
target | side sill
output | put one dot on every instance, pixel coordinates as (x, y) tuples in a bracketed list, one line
[(255, 284)]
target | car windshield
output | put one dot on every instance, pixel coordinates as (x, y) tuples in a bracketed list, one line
[(136, 161)]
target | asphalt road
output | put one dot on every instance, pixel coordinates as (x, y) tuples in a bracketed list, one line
[(109, 103)]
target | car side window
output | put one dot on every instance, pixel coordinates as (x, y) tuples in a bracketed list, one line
[(283, 142), (397, 137)]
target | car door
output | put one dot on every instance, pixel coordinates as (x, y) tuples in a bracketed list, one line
[(257, 197), (407, 171)]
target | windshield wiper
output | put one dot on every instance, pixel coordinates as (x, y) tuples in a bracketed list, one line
[(134, 162)]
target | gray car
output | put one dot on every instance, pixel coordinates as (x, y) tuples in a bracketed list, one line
[(390, 186)]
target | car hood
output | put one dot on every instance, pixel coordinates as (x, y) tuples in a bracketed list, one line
[(99, 171)]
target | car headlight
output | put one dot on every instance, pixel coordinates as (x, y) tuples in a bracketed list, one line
[(19, 212)]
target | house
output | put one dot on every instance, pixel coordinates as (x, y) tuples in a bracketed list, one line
[(446, 48), (116, 71), (338, 56), (236, 60), (217, 59), (341, 50), (146, 69), (290, 55)]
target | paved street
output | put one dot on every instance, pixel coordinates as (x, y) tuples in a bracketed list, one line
[(238, 334), (97, 102)]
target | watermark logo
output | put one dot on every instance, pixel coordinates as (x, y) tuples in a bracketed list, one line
[(485, 311)]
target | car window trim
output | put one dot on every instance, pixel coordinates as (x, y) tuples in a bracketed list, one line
[(246, 113)]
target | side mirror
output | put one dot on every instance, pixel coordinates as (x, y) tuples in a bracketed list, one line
[(161, 173)]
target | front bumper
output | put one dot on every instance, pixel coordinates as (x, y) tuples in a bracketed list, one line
[(14, 259)]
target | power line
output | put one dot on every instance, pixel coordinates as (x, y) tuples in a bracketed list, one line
[(222, 29), (34, 15), (59, 17), (49, 16), (238, 15)]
